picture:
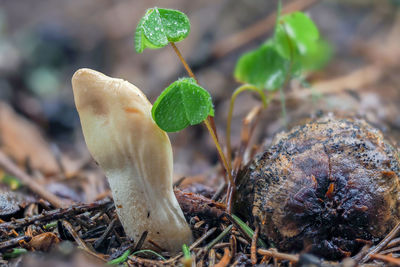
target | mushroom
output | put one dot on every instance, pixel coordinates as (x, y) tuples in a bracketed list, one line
[(135, 155)]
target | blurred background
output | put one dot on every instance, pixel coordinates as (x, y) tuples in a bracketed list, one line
[(43, 42)]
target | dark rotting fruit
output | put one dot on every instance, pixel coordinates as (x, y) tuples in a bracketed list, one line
[(324, 188)]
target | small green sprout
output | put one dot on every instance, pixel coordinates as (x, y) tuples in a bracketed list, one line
[(187, 257), (123, 258), (120, 259), (10, 181), (184, 102), (127, 253), (186, 251), (50, 225), (15, 253)]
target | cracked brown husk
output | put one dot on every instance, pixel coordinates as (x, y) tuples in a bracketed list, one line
[(322, 188)]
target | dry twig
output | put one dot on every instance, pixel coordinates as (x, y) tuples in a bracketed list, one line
[(394, 242), (109, 229), (80, 242), (14, 242), (10, 167), (54, 214), (382, 244)]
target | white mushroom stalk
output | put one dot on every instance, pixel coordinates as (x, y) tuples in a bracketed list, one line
[(135, 154)]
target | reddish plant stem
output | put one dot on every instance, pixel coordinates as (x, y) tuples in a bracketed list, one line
[(210, 124), (278, 255), (224, 162), (386, 258)]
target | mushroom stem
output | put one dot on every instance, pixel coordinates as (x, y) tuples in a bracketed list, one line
[(134, 153)]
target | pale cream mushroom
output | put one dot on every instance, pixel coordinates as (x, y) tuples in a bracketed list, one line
[(134, 153)]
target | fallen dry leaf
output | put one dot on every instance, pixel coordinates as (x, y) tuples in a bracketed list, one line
[(22, 140), (44, 242)]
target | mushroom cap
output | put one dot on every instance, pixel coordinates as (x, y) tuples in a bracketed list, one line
[(112, 113)]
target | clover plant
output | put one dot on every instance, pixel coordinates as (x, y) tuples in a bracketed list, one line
[(296, 47)]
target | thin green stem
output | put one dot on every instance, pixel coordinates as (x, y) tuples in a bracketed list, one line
[(287, 78), (283, 106), (209, 122), (191, 74), (240, 89), (282, 93), (121, 258), (220, 152), (184, 63), (186, 251)]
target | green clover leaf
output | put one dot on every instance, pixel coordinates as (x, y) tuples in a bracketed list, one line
[(295, 36), (262, 67), (181, 104), (160, 26), (318, 57)]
